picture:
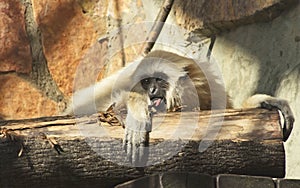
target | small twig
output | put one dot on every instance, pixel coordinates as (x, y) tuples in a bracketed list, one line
[(110, 117), (52, 142)]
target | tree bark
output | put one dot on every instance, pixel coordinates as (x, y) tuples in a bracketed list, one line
[(68, 151)]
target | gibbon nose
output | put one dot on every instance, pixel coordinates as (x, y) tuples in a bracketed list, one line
[(152, 90)]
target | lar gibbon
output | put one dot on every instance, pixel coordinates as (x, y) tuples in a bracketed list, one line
[(162, 81)]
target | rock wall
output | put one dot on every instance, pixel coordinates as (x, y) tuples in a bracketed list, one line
[(50, 48), (42, 43), (211, 17), (265, 58)]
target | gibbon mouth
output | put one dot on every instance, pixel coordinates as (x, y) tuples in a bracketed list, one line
[(158, 101)]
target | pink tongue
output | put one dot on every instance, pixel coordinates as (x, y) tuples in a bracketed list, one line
[(157, 102)]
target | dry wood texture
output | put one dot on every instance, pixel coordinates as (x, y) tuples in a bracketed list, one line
[(68, 151)]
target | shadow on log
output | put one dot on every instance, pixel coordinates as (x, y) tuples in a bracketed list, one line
[(85, 152)]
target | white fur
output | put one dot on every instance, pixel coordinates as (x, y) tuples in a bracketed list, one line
[(184, 90)]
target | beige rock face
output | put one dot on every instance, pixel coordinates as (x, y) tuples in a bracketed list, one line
[(209, 17), (14, 45), (69, 31)]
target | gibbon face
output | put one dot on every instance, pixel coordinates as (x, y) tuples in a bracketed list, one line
[(156, 87)]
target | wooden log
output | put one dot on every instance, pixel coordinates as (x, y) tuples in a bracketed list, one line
[(68, 151)]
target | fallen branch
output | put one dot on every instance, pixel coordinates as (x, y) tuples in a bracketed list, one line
[(68, 151)]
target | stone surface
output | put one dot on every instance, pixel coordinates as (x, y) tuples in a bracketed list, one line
[(14, 45), (238, 181), (19, 99), (69, 30), (208, 17)]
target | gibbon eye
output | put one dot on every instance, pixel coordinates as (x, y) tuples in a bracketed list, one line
[(145, 82)]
